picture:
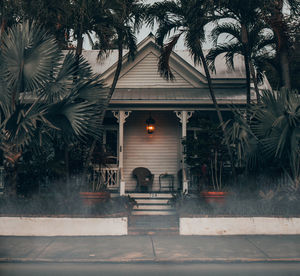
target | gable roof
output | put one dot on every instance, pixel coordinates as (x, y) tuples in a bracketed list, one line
[(140, 85), (181, 63), (144, 74)]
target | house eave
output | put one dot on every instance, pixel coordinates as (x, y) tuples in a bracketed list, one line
[(204, 106)]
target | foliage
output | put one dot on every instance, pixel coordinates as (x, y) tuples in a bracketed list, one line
[(206, 154), (65, 204), (185, 18), (272, 137), (38, 170), (39, 97), (260, 45), (179, 199), (264, 200), (9, 14), (54, 15)]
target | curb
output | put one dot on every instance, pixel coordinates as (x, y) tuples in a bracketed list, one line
[(154, 260)]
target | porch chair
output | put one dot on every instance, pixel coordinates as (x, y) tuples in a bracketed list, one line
[(144, 179)]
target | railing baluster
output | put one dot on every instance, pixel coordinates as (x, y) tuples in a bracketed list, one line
[(106, 176)]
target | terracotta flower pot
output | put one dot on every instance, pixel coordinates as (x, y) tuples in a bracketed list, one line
[(214, 197), (91, 198)]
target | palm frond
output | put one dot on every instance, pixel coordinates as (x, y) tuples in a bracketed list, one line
[(229, 49), (76, 118), (130, 41), (161, 12), (163, 63), (262, 42), (231, 29), (138, 15), (29, 54), (263, 61), (258, 31), (193, 41), (59, 87), (21, 125), (5, 99), (165, 29), (92, 90)]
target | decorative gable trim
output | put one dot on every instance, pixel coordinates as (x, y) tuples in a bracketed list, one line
[(187, 75)]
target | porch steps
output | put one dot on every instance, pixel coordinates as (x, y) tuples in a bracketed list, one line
[(152, 204), (153, 225)]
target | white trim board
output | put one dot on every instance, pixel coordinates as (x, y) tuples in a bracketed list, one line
[(40, 226), (239, 226)]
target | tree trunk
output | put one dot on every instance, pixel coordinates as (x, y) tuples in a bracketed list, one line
[(111, 91), (67, 163), (2, 28), (79, 45), (11, 174), (245, 41), (280, 30), (89, 157), (118, 69), (213, 97), (11, 158), (254, 81), (248, 91), (285, 67)]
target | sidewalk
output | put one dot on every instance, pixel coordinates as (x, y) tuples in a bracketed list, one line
[(158, 248)]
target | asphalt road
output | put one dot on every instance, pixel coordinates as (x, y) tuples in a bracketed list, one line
[(85, 269)]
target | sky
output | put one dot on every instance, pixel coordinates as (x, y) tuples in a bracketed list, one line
[(180, 44), (144, 32)]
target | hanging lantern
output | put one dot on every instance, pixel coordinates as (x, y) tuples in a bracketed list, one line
[(150, 125)]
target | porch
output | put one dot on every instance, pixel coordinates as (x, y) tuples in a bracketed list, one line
[(161, 151)]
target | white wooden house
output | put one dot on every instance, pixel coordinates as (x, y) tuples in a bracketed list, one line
[(141, 93)]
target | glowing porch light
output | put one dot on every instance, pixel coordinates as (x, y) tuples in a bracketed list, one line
[(150, 125)]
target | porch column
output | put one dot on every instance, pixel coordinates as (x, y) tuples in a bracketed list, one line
[(121, 116), (184, 116)]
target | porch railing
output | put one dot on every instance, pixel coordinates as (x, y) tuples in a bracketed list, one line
[(105, 177)]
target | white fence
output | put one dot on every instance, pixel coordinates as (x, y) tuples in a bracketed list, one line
[(105, 177)]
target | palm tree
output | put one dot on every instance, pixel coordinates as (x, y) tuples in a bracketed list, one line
[(258, 41), (54, 15), (115, 24), (273, 134), (272, 13), (38, 97), (188, 18), (117, 27), (245, 13)]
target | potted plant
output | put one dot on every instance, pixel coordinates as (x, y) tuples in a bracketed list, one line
[(97, 191), (208, 160)]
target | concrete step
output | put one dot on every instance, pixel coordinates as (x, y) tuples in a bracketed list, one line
[(153, 212), (153, 225), (153, 207), (157, 231), (150, 195), (152, 200), (152, 204)]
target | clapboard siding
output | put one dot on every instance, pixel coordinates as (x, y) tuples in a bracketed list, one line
[(159, 152), (144, 74)]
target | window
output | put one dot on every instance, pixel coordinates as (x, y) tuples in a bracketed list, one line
[(110, 144)]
